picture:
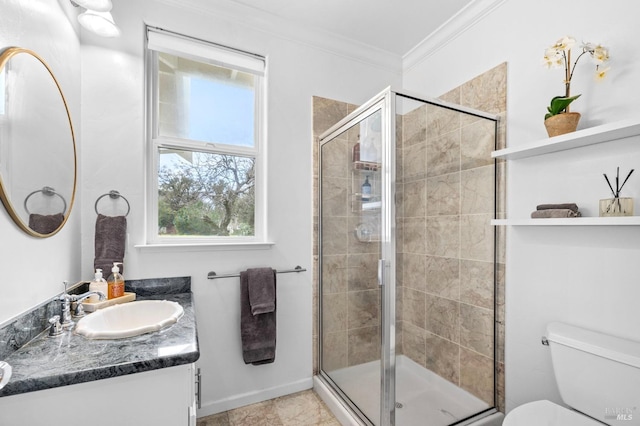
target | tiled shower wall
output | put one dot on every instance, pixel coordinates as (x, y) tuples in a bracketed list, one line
[(445, 243)]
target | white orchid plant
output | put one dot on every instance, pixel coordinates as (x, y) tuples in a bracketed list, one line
[(559, 56)]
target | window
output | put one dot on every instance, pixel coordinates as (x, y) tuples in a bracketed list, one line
[(205, 112)]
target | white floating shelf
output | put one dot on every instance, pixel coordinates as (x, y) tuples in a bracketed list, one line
[(580, 138), (575, 221)]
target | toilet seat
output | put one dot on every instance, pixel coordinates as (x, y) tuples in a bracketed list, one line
[(539, 413)]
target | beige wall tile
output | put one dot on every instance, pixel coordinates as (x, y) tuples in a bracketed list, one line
[(414, 162), (441, 121), (364, 309), (326, 113), (413, 303), (443, 317), (476, 237), (413, 343), (414, 231), (477, 283), (443, 358), (414, 267), (363, 271), (335, 201), (334, 350), (335, 159), (443, 195), (476, 144), (443, 277), (476, 329), (414, 199), (443, 236), (334, 235), (476, 375), (477, 190), (363, 345), (334, 312), (334, 274), (443, 154), (487, 92), (414, 127)]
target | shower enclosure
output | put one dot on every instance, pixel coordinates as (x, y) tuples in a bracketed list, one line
[(407, 262)]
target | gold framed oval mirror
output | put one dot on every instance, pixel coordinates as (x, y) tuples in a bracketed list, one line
[(38, 163)]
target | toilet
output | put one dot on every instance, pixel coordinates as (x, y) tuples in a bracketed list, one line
[(598, 376)]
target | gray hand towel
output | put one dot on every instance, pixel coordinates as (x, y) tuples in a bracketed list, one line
[(262, 290), (570, 206), (258, 332), (554, 213), (44, 223), (110, 238)]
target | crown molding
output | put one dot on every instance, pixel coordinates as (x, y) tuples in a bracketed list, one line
[(449, 31), (259, 20)]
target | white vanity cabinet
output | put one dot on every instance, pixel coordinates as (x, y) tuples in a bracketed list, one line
[(163, 397)]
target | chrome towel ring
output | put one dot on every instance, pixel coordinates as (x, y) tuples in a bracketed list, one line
[(114, 195), (48, 191)]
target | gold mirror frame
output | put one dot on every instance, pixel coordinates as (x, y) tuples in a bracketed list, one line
[(6, 55)]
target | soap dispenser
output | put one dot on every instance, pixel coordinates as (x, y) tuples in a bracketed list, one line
[(115, 282), (366, 189), (98, 284)]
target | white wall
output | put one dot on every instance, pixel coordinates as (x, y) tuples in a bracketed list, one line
[(584, 276), (114, 158), (33, 269)]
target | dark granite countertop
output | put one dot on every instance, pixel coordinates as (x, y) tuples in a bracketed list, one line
[(48, 362)]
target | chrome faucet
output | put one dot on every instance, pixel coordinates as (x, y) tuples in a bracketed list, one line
[(65, 306), (78, 299)]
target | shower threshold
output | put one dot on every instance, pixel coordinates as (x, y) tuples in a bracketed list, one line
[(420, 394)]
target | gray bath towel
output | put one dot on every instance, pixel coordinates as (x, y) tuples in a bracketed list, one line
[(262, 290), (554, 213), (110, 239), (258, 331), (570, 206), (45, 223)]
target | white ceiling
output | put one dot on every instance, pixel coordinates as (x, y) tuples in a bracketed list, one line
[(395, 26)]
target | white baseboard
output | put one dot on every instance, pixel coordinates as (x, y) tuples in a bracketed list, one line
[(248, 398)]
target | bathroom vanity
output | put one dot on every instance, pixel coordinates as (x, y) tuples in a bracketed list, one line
[(146, 379)]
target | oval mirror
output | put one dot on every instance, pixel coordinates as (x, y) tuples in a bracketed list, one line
[(37, 144)]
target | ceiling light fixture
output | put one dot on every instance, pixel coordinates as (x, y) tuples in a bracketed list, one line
[(97, 5), (97, 18)]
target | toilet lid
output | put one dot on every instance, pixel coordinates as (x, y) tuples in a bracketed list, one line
[(546, 413)]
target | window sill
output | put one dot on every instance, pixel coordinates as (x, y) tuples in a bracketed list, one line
[(219, 246)]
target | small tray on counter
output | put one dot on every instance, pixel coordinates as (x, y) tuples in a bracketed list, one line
[(94, 306)]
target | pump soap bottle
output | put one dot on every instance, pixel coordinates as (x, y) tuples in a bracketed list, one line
[(98, 284), (115, 282)]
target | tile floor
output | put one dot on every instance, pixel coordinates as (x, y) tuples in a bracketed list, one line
[(298, 409)]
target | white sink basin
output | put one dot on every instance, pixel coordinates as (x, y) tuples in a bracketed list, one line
[(129, 319)]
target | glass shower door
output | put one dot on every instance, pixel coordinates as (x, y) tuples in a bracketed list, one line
[(355, 243)]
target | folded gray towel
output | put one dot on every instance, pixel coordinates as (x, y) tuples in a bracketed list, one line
[(258, 332), (262, 290), (570, 206), (45, 223), (554, 213), (110, 238)]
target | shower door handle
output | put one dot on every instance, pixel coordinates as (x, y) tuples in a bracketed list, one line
[(381, 271)]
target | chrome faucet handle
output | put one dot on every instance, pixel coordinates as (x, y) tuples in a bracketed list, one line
[(65, 308), (56, 327)]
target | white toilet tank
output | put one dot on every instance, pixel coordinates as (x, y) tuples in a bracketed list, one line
[(597, 374)]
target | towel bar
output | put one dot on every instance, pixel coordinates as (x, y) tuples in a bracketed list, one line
[(212, 275)]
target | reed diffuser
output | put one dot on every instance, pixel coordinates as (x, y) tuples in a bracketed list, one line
[(616, 206)]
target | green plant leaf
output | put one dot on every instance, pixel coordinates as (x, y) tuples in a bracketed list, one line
[(559, 104)]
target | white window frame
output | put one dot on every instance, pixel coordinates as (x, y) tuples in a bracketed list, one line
[(159, 40)]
